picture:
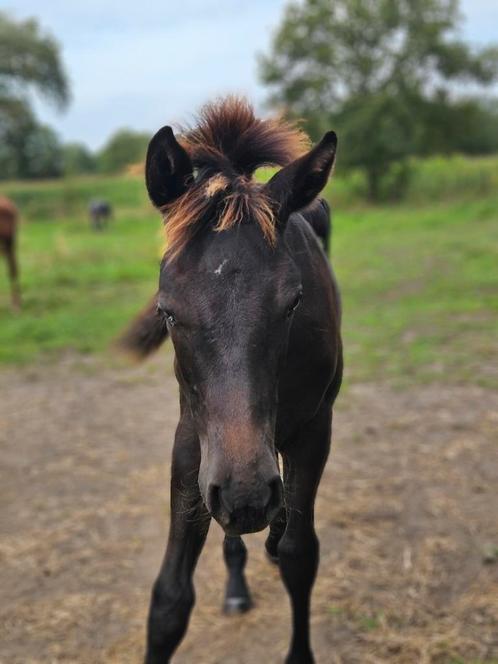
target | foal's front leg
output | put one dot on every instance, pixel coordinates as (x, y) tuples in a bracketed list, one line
[(298, 550), (237, 596), (173, 593)]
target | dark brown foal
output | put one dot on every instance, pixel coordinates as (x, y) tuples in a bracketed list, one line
[(248, 297)]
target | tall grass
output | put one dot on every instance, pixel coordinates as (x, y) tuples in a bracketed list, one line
[(70, 197), (444, 178), (434, 180)]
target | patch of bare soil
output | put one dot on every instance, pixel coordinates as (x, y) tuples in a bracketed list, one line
[(407, 516)]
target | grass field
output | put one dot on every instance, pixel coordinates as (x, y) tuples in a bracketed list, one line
[(419, 279)]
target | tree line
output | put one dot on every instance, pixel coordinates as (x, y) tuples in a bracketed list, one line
[(33, 150)]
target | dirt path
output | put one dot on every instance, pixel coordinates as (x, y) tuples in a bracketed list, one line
[(407, 518)]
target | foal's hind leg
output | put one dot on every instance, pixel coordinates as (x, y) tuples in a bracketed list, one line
[(298, 550), (173, 593), (237, 597)]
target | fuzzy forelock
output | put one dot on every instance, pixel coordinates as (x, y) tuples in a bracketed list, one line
[(228, 132), (226, 146)]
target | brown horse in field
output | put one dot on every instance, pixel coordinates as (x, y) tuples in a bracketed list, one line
[(9, 217)]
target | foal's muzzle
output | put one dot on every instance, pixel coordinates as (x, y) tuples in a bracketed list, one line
[(238, 512)]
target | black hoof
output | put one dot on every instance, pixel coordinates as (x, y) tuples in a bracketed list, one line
[(236, 605), (305, 659)]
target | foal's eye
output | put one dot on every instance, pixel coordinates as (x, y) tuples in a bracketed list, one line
[(294, 305), (167, 315)]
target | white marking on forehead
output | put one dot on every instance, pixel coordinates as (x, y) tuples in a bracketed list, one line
[(220, 267)]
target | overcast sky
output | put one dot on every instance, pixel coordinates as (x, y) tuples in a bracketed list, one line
[(144, 64)]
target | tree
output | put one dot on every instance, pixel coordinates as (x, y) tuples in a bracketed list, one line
[(125, 147), (42, 155), (28, 149), (29, 60), (16, 120), (468, 125), (78, 159), (377, 71)]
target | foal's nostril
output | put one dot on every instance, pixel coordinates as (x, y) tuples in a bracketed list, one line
[(276, 497), (245, 512)]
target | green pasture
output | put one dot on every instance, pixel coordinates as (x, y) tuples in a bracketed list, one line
[(419, 278)]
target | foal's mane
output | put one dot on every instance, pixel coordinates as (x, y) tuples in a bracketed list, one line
[(226, 146)]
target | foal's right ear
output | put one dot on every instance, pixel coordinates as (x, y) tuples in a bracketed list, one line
[(168, 169)]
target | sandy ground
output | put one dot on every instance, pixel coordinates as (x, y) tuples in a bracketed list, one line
[(407, 517)]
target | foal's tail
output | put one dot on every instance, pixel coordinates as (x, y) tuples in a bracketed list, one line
[(145, 333)]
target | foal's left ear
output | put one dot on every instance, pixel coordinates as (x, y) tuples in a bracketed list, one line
[(168, 169), (296, 185)]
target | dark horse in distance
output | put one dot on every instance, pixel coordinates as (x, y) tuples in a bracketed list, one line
[(248, 297), (100, 212), (8, 229)]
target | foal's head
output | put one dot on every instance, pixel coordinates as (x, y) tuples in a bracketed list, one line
[(229, 290)]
